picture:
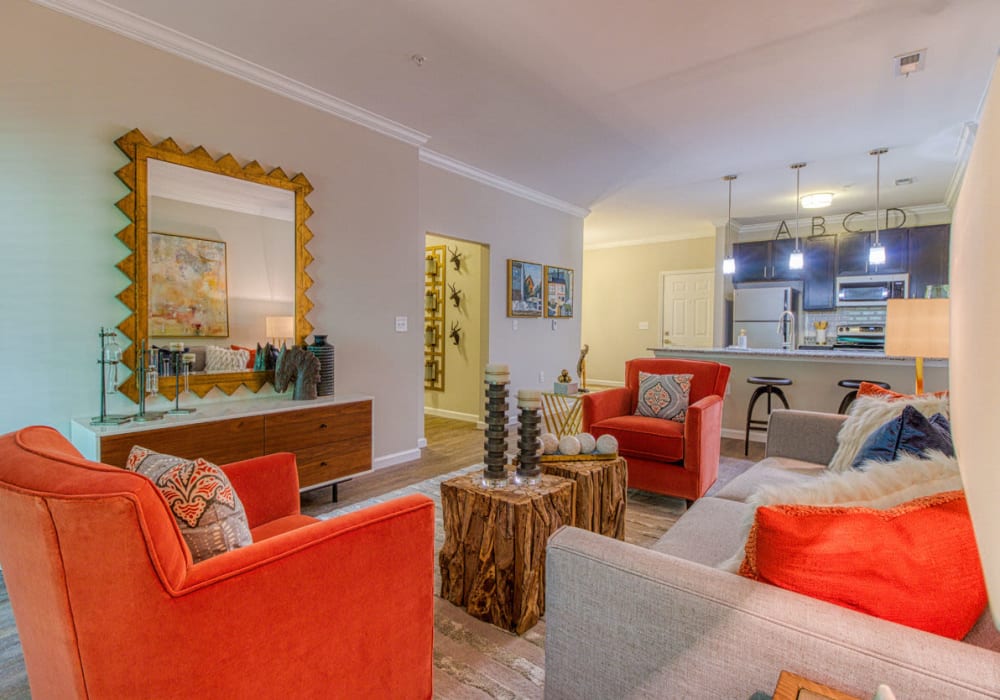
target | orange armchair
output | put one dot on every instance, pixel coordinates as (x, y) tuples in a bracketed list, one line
[(676, 459), (109, 605)]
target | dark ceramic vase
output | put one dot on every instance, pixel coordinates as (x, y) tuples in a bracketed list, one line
[(324, 352)]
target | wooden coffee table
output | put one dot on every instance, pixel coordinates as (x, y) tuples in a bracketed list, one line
[(601, 493), (493, 558)]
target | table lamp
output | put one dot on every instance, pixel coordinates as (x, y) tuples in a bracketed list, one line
[(917, 328), (279, 327)]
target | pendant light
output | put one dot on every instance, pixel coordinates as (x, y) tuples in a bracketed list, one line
[(796, 261), (876, 254), (729, 262)]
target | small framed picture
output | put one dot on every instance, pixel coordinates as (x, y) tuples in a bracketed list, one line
[(558, 292), (524, 288)]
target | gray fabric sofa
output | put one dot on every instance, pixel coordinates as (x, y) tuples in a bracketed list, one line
[(628, 622)]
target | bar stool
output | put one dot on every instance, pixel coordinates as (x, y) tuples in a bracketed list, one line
[(769, 386), (853, 384)]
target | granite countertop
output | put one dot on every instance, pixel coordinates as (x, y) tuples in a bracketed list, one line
[(815, 352)]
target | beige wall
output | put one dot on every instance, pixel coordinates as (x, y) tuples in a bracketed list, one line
[(622, 289), (63, 107), (462, 397), (975, 309)]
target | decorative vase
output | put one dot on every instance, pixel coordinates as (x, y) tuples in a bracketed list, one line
[(324, 352)]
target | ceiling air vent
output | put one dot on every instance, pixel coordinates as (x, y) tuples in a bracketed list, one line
[(906, 63)]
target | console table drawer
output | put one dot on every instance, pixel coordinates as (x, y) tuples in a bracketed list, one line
[(221, 442), (321, 465), (296, 431)]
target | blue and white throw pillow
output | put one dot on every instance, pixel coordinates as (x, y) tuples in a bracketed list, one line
[(664, 396)]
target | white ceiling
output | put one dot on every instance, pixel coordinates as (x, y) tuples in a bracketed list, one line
[(636, 108)]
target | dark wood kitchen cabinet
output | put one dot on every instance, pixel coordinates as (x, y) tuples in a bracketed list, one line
[(819, 288), (852, 252), (759, 261), (929, 249)]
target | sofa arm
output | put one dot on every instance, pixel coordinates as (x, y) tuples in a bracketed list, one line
[(268, 486), (808, 436), (627, 622), (601, 405)]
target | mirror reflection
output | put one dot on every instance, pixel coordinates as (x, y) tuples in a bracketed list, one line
[(221, 259)]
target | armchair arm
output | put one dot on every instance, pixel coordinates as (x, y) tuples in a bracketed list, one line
[(602, 595), (809, 436), (268, 486), (601, 405), (702, 439)]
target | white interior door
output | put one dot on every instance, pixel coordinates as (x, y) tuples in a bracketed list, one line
[(688, 301)]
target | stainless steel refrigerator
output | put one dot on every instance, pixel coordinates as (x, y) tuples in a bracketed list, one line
[(757, 310)]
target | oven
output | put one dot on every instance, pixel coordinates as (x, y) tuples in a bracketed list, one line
[(871, 290)]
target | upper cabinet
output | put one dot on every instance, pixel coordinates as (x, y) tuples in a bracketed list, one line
[(765, 260), (929, 255), (852, 252), (819, 289)]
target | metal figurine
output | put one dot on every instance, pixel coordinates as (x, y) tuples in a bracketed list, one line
[(495, 473), (529, 473), (455, 258), (455, 296), (455, 333)]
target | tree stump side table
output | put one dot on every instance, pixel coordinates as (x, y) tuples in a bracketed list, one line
[(601, 493), (493, 557)]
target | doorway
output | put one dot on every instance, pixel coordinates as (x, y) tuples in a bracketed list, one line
[(687, 300), (456, 330)]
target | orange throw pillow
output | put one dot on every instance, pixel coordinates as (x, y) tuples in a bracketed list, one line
[(915, 564), (869, 389)]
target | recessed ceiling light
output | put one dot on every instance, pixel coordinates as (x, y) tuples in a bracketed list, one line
[(817, 200), (904, 181)]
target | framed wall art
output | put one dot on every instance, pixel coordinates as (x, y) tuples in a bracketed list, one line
[(558, 292), (524, 288), (188, 292)]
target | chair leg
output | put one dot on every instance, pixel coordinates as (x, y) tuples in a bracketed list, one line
[(781, 395)]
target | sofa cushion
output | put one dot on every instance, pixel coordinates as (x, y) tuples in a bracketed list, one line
[(204, 503), (910, 432), (663, 396), (707, 533), (640, 436), (769, 471), (867, 414), (866, 560)]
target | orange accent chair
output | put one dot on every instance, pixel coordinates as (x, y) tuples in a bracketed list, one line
[(109, 605), (675, 459)]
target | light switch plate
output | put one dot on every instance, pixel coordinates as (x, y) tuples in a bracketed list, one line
[(555, 324), (513, 324), (643, 325), (401, 324)]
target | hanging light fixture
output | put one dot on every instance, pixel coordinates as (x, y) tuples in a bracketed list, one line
[(729, 262), (796, 261), (876, 254)]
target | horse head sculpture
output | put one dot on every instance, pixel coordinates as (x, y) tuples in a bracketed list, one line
[(303, 366)]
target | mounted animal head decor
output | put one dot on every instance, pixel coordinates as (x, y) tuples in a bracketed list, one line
[(455, 258), (304, 367), (455, 296), (455, 333)]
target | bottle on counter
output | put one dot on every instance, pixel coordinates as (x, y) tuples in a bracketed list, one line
[(741, 341)]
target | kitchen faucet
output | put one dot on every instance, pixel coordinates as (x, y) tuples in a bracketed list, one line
[(788, 341)]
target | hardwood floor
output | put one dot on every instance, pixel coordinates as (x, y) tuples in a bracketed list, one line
[(451, 445)]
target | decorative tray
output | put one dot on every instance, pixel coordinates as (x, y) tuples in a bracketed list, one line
[(593, 457)]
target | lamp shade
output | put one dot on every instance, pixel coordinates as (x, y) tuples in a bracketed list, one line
[(917, 328), (279, 326)]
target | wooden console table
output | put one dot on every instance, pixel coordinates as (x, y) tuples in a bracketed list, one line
[(493, 558), (601, 493), (331, 436)]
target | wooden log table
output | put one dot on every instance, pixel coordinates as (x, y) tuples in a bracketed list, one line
[(493, 558), (601, 493)]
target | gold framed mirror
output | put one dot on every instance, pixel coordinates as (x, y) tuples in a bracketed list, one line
[(136, 265)]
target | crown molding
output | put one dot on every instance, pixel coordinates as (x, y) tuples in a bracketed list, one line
[(645, 241), (963, 153), (131, 25), (439, 160)]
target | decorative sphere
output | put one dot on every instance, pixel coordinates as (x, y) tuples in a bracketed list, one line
[(587, 443), (607, 445), (569, 445), (550, 443)]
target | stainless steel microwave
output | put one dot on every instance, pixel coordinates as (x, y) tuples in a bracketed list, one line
[(871, 290)]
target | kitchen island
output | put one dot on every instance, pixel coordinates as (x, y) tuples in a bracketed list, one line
[(814, 373)]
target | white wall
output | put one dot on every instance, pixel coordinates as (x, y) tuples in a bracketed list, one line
[(68, 98), (513, 228)]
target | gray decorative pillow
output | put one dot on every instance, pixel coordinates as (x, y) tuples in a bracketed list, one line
[(664, 396), (208, 511)]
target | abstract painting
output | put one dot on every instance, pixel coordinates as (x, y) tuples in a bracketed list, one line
[(187, 287), (524, 288), (558, 292)]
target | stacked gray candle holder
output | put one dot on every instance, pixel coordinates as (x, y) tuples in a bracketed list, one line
[(495, 473), (528, 472)]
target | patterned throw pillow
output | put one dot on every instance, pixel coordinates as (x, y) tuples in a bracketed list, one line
[(208, 511), (664, 396), (220, 359)]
